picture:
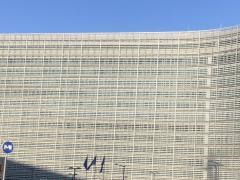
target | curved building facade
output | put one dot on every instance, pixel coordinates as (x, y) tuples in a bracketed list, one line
[(155, 105)]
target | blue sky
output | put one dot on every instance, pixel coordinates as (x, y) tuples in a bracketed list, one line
[(116, 15)]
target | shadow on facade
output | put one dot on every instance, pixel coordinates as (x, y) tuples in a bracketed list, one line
[(18, 171)]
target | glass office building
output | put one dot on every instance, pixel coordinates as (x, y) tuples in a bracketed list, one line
[(157, 105)]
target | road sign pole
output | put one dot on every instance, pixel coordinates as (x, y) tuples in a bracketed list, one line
[(4, 166), (7, 148)]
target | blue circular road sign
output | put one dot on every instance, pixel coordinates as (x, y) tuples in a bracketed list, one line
[(7, 147)]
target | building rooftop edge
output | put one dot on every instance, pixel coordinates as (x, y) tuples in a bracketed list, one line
[(235, 27)]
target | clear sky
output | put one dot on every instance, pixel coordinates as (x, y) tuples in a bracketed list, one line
[(116, 15)]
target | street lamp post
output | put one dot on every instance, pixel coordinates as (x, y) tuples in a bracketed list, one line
[(153, 174), (123, 166), (74, 171)]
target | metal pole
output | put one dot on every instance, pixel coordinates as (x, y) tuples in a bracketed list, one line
[(74, 173), (103, 174), (152, 175), (123, 166), (94, 172), (4, 167)]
